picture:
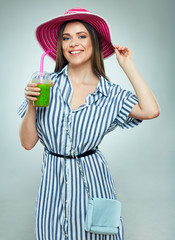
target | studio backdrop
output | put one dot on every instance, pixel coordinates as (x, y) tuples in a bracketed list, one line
[(141, 160)]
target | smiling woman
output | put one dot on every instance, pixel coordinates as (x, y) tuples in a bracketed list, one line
[(76, 44), (84, 107), (97, 51)]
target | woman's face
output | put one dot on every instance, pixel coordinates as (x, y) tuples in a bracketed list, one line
[(76, 44)]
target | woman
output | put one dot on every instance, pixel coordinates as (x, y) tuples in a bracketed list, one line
[(93, 107)]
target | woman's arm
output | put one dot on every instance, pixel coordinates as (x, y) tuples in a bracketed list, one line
[(147, 107), (28, 133)]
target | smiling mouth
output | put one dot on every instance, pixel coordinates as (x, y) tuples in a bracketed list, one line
[(76, 52)]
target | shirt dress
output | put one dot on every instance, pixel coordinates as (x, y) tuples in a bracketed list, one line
[(61, 203)]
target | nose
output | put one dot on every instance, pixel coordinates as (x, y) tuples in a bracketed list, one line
[(73, 42)]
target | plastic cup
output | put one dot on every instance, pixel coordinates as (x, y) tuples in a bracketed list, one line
[(43, 82)]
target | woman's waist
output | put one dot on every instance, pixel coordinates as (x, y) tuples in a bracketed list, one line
[(73, 154)]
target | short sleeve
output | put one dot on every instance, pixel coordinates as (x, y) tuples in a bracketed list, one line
[(22, 109), (123, 102), (127, 102)]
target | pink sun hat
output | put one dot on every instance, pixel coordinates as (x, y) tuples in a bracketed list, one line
[(47, 33)]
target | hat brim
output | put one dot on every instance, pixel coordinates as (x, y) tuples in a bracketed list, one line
[(47, 33)]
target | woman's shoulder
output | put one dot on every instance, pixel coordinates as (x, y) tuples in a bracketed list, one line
[(110, 86), (53, 75)]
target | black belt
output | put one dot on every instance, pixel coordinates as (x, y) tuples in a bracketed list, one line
[(90, 152)]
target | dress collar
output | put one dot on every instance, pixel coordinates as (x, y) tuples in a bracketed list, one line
[(103, 85), (63, 71), (65, 86)]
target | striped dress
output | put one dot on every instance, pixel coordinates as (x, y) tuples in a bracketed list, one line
[(61, 203)]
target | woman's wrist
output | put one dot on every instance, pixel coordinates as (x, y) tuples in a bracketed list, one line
[(128, 65), (31, 107)]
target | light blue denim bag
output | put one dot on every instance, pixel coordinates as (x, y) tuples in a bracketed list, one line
[(103, 216)]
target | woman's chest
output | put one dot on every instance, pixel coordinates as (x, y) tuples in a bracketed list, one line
[(80, 94), (90, 121)]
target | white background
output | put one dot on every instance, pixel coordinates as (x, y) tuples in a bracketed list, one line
[(141, 159)]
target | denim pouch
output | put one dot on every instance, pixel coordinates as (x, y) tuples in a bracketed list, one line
[(103, 216)]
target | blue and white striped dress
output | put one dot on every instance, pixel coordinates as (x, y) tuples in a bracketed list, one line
[(61, 202)]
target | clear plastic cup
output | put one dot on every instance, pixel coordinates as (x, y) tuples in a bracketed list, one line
[(43, 82)]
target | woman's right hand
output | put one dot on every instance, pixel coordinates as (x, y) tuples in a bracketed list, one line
[(31, 91)]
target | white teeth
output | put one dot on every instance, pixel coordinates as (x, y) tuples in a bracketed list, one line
[(75, 52)]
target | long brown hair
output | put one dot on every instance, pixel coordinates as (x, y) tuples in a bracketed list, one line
[(97, 56)]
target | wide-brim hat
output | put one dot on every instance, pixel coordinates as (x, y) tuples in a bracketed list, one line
[(47, 33)]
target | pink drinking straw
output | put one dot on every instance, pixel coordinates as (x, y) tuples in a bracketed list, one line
[(42, 63)]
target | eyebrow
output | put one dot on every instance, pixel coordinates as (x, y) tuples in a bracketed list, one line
[(76, 33)]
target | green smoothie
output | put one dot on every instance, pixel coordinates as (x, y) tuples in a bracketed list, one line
[(43, 98)]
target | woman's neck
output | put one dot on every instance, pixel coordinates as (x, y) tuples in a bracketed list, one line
[(81, 74)]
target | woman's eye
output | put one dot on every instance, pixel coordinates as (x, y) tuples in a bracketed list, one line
[(82, 36), (66, 38)]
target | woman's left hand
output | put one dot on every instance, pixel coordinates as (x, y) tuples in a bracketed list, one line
[(147, 106), (123, 54)]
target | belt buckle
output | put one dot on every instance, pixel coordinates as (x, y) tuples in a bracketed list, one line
[(69, 156)]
